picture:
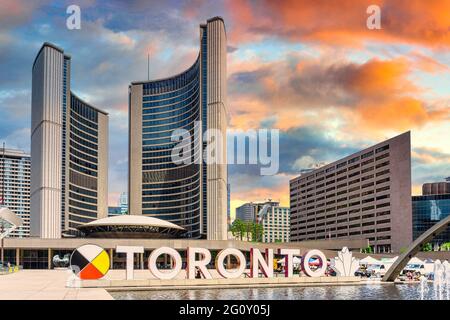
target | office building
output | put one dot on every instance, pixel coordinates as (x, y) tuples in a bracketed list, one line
[(193, 194), (123, 203), (114, 211), (247, 212), (364, 195), (69, 151), (15, 166), (435, 188), (430, 208), (276, 223), (275, 219)]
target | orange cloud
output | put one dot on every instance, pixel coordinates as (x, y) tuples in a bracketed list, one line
[(342, 22), (373, 96), (398, 114)]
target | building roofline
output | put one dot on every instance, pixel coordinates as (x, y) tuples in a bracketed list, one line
[(50, 45), (202, 25), (14, 152), (90, 105), (133, 83), (215, 18), (314, 171)]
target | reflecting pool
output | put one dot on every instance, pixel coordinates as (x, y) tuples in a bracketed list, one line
[(405, 291)]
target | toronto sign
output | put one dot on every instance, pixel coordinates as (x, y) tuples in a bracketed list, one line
[(91, 262)]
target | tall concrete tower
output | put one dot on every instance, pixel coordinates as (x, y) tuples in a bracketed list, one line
[(46, 141), (69, 151), (192, 195)]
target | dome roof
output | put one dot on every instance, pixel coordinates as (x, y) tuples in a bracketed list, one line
[(131, 220)]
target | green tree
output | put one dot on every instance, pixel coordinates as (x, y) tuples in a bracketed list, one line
[(257, 232), (427, 247), (368, 249), (445, 246), (251, 231), (237, 228)]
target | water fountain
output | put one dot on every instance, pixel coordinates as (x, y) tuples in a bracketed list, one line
[(446, 265), (423, 287), (441, 280)]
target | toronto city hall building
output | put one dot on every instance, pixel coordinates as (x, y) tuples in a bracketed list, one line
[(365, 195), (15, 166), (69, 151), (193, 195)]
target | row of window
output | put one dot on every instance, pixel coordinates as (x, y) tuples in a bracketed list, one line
[(343, 164), (175, 83), (188, 87)]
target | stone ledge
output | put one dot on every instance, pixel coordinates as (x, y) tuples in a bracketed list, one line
[(248, 282)]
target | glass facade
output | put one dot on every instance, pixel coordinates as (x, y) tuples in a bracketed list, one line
[(191, 194), (427, 211), (83, 164), (171, 191)]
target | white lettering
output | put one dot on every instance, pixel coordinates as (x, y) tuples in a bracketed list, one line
[(176, 268), (130, 251)]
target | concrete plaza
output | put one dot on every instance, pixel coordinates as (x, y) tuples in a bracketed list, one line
[(45, 285)]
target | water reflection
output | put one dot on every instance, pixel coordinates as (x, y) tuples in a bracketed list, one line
[(356, 292)]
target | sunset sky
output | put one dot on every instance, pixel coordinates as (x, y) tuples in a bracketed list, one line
[(309, 68)]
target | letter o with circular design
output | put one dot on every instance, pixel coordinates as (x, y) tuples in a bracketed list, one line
[(305, 263), (154, 269), (89, 262)]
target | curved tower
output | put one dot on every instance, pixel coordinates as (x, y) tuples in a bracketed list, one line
[(191, 194), (69, 151)]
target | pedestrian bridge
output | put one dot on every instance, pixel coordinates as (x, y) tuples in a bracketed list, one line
[(415, 247)]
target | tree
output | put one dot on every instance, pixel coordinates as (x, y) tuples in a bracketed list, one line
[(427, 247), (257, 232), (445, 246), (368, 249), (252, 231), (237, 228)]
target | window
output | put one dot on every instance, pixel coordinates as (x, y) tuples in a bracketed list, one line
[(366, 155), (353, 160), (381, 149)]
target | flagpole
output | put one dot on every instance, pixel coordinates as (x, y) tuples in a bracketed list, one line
[(3, 202)]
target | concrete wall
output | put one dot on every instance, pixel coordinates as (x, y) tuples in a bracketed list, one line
[(135, 150), (103, 155), (46, 129), (217, 119)]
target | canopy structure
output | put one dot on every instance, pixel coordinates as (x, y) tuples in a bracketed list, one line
[(389, 260), (9, 221), (415, 260), (131, 226), (369, 260)]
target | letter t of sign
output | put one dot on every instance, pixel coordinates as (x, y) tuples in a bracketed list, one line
[(130, 251), (257, 261), (289, 260)]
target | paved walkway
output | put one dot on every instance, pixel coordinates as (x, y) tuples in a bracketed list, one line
[(45, 285)]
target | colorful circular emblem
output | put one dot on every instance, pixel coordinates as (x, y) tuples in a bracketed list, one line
[(89, 262)]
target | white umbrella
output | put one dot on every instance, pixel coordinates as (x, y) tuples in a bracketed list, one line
[(295, 260)]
